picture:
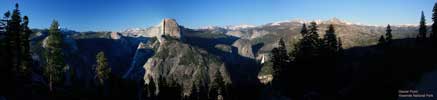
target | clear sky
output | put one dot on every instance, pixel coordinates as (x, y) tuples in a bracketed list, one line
[(118, 15)]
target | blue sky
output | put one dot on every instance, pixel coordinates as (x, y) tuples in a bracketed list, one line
[(118, 15)]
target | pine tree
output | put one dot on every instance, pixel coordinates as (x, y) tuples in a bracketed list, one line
[(434, 25), (14, 47), (14, 41), (26, 59), (298, 46), (314, 35), (55, 62), (279, 58), (309, 46), (381, 41), (307, 61), (330, 41), (388, 35), (304, 30), (13, 38), (422, 28), (102, 69)]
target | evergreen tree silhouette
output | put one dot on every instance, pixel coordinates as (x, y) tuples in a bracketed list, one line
[(388, 35), (26, 59), (15, 49), (434, 25), (381, 41), (279, 59), (309, 46), (330, 42), (304, 30), (13, 32), (422, 28), (306, 62)]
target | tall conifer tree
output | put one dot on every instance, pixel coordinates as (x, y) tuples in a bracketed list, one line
[(388, 35), (422, 28), (55, 65), (103, 70), (434, 25)]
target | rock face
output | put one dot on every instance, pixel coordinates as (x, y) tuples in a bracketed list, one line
[(136, 72), (181, 63), (115, 35), (244, 48), (167, 27), (170, 28)]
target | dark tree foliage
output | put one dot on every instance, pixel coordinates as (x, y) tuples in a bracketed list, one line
[(203, 92), (280, 63), (422, 28), (306, 55), (330, 42), (6, 69), (26, 62), (13, 37), (150, 90), (434, 25), (304, 30), (279, 58), (15, 52), (169, 90), (217, 88), (194, 93), (388, 35), (381, 41), (312, 56), (309, 45)]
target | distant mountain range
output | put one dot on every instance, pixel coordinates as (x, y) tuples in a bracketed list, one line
[(193, 56)]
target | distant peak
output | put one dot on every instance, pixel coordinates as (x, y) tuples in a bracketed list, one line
[(241, 26), (336, 20)]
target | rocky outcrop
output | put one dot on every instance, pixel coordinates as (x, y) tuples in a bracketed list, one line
[(136, 71), (115, 35), (181, 63), (169, 27), (244, 48)]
